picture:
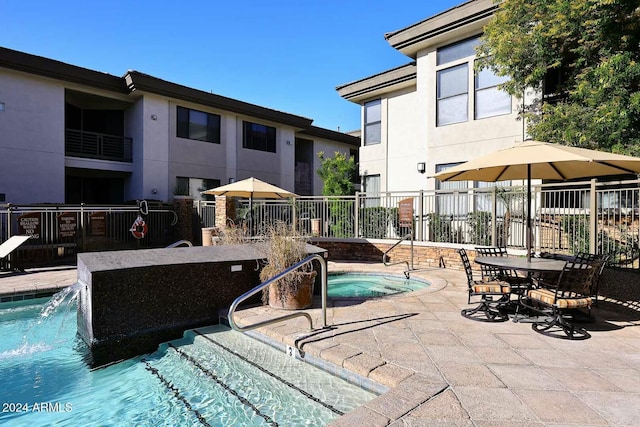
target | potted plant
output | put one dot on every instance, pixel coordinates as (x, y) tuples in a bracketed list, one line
[(283, 247)]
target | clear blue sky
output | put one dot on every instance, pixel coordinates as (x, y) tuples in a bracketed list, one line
[(288, 55)]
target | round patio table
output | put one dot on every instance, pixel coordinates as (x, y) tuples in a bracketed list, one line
[(535, 265)]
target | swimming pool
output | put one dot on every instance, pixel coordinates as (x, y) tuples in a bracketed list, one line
[(349, 285), (212, 376)]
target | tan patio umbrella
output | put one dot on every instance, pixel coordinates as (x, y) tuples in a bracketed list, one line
[(250, 188), (540, 160)]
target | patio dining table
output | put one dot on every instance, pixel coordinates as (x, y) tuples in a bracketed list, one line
[(533, 265)]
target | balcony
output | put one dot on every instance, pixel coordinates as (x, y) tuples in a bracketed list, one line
[(98, 146)]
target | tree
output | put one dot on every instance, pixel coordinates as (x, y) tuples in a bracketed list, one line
[(586, 53), (337, 174)]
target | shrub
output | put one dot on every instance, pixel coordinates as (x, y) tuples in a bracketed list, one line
[(373, 223)]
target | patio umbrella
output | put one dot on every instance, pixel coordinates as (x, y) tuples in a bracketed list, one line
[(540, 160), (250, 188)]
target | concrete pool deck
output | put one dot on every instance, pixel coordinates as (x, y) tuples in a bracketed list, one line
[(445, 370)]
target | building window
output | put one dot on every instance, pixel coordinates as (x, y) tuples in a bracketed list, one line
[(490, 99), (484, 199), (198, 125), (372, 191), (457, 51), (259, 137), (453, 94), (192, 187), (372, 122), (452, 85), (453, 199)]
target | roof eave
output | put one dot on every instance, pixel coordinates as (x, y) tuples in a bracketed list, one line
[(137, 81), (331, 135), (466, 18), (378, 84), (50, 68)]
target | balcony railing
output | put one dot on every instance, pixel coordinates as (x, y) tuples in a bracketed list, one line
[(98, 146)]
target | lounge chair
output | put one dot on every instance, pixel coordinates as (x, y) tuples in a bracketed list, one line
[(7, 247)]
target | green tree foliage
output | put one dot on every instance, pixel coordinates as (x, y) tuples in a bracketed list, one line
[(594, 46), (337, 174)]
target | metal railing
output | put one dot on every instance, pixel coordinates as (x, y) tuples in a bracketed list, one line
[(260, 287), (407, 272), (95, 145), (206, 212), (589, 216), (183, 242)]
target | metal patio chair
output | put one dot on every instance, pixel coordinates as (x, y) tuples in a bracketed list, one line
[(558, 301), (506, 275), (602, 262), (493, 295)]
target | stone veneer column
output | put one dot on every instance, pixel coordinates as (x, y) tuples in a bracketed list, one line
[(183, 207), (225, 209)]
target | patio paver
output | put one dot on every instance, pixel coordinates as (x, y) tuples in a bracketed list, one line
[(445, 370)]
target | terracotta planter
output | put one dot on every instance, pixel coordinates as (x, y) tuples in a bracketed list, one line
[(303, 298)]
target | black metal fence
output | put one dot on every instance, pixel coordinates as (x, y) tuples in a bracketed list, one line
[(59, 232)]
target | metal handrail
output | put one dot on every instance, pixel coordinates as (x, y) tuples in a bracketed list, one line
[(248, 294), (388, 264), (180, 243)]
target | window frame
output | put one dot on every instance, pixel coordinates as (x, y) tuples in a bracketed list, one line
[(184, 130), (372, 198), (268, 146), (188, 182), (449, 46), (368, 124), (439, 99), (485, 89), (444, 202)]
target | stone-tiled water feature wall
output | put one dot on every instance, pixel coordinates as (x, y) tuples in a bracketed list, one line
[(131, 301)]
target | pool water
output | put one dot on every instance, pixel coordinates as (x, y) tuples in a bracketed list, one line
[(370, 285), (212, 376)]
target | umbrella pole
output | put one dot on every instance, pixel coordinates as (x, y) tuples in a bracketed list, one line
[(250, 216), (529, 228)]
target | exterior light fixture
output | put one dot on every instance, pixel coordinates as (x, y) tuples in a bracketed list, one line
[(422, 167)]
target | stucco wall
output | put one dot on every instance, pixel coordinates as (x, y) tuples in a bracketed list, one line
[(407, 144), (135, 130), (31, 139), (155, 149)]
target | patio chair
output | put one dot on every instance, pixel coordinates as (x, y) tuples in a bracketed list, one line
[(486, 291), (506, 275), (602, 261), (558, 301)]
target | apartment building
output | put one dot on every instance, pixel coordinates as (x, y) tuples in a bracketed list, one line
[(436, 111), (69, 135)]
